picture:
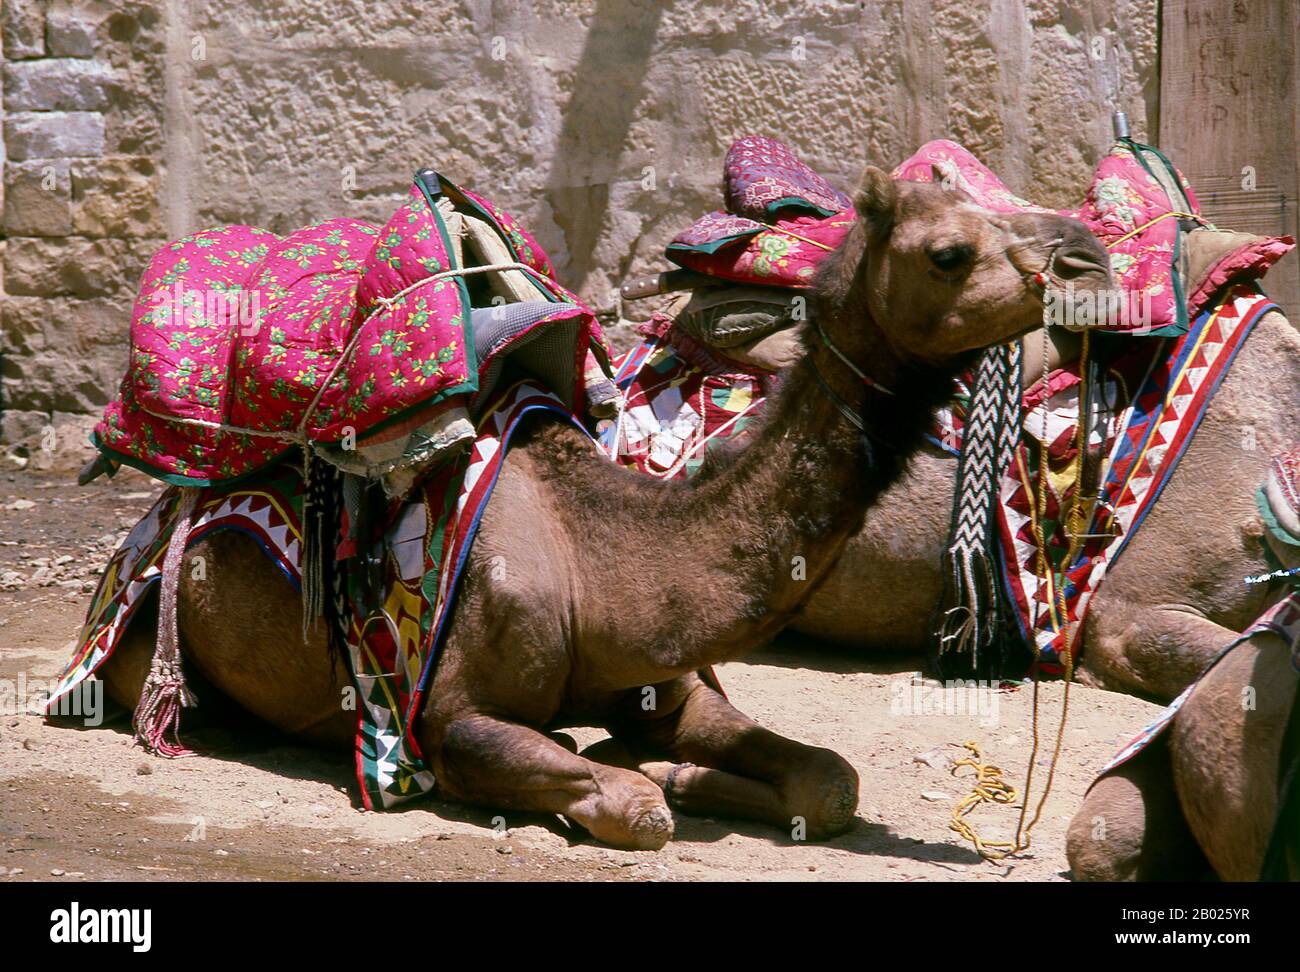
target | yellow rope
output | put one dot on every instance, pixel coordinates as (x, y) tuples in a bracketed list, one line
[(1047, 576), (1151, 222), (989, 788)]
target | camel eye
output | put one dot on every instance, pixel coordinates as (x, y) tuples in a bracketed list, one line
[(951, 259)]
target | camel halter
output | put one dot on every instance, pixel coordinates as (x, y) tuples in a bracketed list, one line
[(852, 415), (965, 626), (862, 375)]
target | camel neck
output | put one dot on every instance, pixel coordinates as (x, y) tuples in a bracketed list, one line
[(803, 485), (720, 563)]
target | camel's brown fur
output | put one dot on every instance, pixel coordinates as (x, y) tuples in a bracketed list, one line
[(1208, 790), (588, 584), (1204, 795)]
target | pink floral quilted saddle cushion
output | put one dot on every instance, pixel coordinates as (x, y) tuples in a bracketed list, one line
[(245, 344), (783, 219)]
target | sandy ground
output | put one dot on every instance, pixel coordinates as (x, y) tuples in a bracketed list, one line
[(84, 804)]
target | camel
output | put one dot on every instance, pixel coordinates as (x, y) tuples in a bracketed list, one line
[(615, 582), (1175, 597), (1201, 797)]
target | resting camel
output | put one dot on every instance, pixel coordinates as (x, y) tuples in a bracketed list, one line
[(1204, 794), (1172, 600), (615, 582)]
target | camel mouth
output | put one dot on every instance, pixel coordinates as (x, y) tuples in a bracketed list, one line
[(1077, 261)]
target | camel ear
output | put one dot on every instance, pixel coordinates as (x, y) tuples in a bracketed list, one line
[(876, 199)]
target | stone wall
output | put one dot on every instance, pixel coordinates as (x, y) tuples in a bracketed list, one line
[(82, 209), (600, 123)]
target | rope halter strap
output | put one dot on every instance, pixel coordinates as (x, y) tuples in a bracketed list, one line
[(862, 375)]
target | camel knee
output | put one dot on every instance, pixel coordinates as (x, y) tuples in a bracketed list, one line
[(1102, 842), (458, 753), (1131, 828)]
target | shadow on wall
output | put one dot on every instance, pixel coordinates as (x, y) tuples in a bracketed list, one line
[(607, 84)]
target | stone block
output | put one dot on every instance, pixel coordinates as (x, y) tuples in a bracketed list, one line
[(24, 29), (18, 425), (60, 382), (56, 84), (54, 135), (65, 325), (38, 198), (70, 33), (116, 197), (74, 267)]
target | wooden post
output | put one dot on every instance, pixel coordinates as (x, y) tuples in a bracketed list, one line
[(1230, 117)]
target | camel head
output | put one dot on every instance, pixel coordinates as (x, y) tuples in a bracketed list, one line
[(941, 276)]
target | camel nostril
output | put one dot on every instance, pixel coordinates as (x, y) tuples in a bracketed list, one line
[(1076, 261)]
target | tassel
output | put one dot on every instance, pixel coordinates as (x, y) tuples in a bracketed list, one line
[(967, 625), (313, 539), (324, 580), (157, 719)]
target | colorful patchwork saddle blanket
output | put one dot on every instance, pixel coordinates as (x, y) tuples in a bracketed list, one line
[(679, 400), (1150, 401), (393, 639), (375, 346)]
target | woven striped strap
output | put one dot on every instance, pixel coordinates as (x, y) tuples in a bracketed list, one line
[(969, 612)]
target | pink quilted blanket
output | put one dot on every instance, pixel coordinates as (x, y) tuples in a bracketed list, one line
[(244, 344)]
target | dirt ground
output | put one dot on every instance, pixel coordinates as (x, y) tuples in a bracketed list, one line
[(85, 804)]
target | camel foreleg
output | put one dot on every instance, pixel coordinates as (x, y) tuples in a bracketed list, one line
[(1157, 650), (483, 760), (723, 763)]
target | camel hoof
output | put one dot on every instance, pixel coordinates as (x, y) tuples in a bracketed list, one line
[(652, 828)]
